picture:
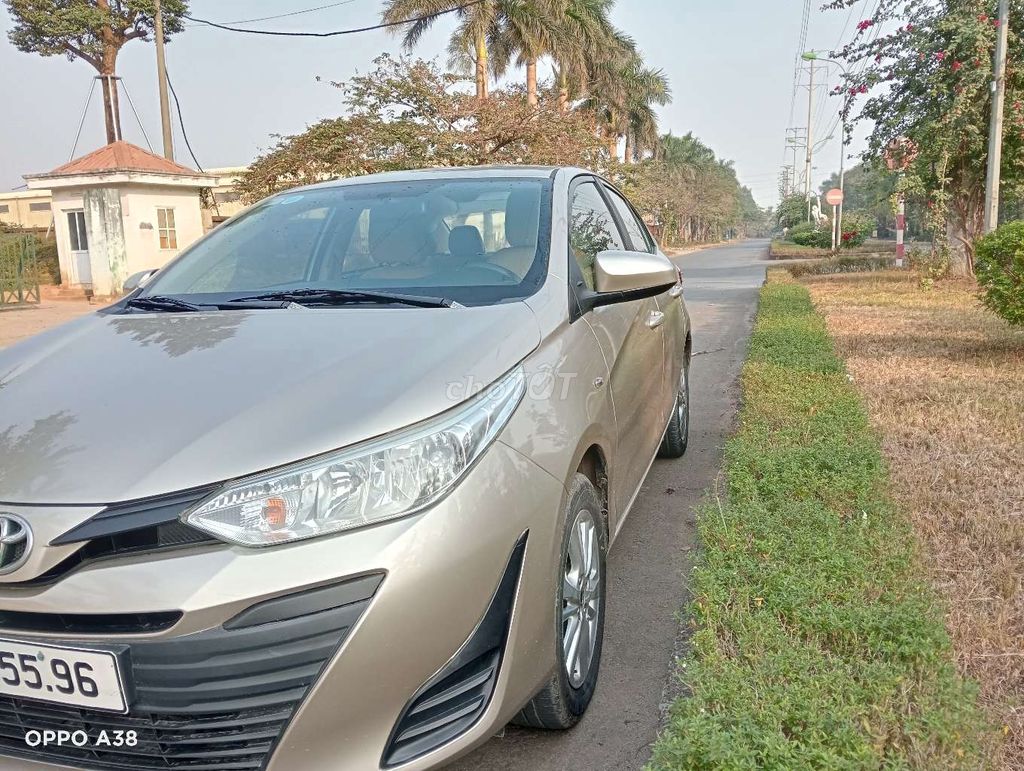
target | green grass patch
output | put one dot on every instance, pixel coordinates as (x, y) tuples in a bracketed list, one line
[(816, 642)]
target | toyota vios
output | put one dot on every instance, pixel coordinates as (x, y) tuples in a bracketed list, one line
[(334, 488)]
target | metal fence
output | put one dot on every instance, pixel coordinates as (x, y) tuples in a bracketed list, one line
[(19, 271)]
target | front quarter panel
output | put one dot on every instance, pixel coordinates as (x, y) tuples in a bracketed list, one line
[(568, 406)]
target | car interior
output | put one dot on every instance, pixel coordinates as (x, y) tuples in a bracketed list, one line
[(457, 234)]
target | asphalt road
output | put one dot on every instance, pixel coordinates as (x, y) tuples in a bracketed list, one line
[(650, 560)]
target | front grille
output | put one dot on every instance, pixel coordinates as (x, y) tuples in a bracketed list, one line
[(87, 623), (213, 742), (170, 535), (213, 701), (132, 515)]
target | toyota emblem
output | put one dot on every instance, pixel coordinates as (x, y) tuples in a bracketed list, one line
[(15, 543)]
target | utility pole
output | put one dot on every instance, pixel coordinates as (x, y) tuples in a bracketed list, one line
[(995, 131), (810, 140), (161, 74)]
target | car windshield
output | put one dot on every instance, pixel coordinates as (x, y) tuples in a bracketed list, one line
[(472, 241)]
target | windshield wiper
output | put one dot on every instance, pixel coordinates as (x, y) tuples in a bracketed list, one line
[(161, 303), (344, 297)]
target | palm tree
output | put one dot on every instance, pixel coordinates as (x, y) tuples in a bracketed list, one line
[(645, 88), (582, 33), (477, 22), (622, 96), (526, 31)]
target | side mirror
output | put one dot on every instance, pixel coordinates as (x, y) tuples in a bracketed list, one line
[(633, 272), (137, 280)]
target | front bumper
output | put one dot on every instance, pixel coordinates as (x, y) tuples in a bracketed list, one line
[(319, 690)]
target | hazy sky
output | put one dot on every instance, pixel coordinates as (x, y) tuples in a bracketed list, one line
[(730, 63)]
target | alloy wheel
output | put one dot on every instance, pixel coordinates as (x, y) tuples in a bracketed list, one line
[(581, 598), (683, 402)]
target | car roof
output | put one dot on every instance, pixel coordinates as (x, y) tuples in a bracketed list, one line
[(447, 172)]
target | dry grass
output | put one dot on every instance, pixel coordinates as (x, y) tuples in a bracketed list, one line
[(943, 381)]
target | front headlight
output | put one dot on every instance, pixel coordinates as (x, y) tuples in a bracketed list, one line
[(378, 480)]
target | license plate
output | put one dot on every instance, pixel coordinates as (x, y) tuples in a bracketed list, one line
[(72, 676)]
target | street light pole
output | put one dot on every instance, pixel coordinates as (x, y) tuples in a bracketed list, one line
[(161, 74), (995, 131), (812, 57)]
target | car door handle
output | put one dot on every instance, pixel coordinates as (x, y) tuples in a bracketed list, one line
[(656, 319)]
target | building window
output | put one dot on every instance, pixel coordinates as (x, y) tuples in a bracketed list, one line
[(76, 231), (165, 226), (4, 208), (41, 206), (227, 197)]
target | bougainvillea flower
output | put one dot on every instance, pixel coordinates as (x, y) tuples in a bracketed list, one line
[(865, 24)]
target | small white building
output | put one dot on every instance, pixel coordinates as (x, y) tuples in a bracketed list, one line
[(119, 210)]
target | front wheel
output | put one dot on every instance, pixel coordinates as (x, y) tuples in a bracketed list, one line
[(578, 615), (677, 435)]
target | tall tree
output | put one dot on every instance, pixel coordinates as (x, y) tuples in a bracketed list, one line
[(93, 31), (645, 88), (584, 32), (408, 114), (608, 84), (476, 23), (525, 31)]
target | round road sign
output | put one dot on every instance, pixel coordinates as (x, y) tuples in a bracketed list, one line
[(834, 197)]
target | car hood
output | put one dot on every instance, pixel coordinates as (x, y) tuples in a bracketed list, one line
[(114, 407)]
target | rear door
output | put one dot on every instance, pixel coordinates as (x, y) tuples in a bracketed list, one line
[(631, 335)]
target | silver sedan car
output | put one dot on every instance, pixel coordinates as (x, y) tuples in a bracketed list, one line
[(334, 488)]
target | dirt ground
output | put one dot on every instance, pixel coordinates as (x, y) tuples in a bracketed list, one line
[(943, 381), (16, 325)]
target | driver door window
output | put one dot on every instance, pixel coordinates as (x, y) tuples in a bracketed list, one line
[(635, 228), (592, 229)]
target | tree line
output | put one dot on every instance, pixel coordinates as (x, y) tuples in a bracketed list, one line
[(409, 113)]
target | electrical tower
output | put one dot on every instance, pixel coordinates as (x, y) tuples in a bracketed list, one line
[(796, 146)]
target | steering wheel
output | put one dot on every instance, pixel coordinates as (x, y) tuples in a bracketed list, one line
[(504, 272)]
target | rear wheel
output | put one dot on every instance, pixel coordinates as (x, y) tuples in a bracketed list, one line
[(578, 615), (677, 435)]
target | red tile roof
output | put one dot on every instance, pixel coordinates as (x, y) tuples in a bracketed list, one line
[(120, 156)]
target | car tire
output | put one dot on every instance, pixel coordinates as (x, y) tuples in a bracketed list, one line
[(565, 697), (677, 434)]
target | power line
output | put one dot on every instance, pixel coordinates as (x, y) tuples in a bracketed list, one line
[(335, 33), (285, 15), (181, 122), (800, 48), (805, 21), (846, 26)]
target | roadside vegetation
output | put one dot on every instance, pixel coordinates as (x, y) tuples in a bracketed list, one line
[(816, 641), (943, 382), (410, 113)]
